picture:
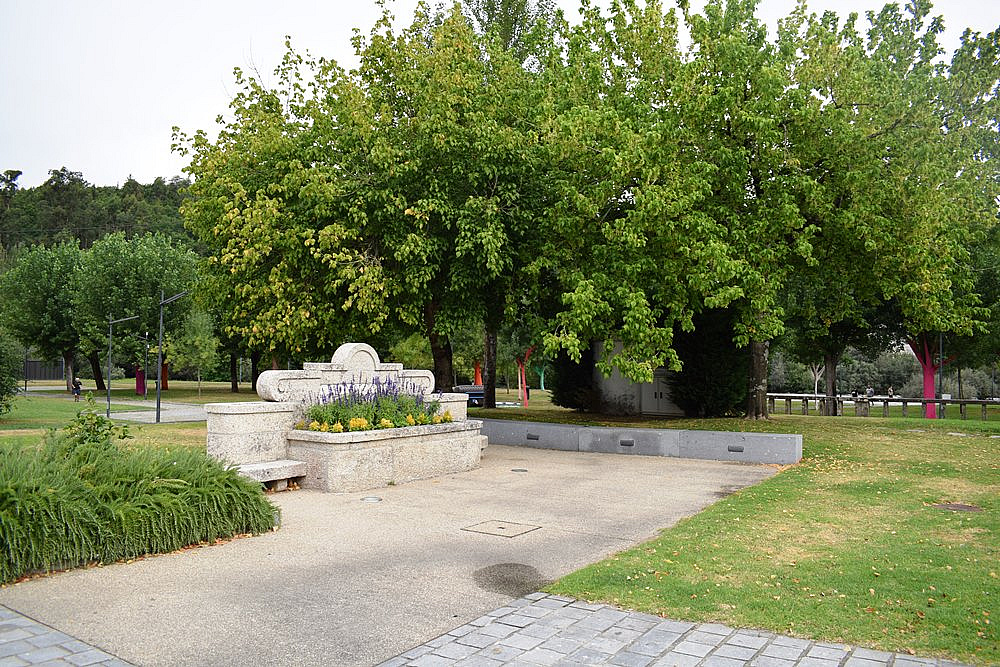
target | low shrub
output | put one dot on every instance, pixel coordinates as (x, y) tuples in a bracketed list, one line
[(352, 407), (84, 495)]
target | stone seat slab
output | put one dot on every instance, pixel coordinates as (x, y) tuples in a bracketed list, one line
[(268, 471)]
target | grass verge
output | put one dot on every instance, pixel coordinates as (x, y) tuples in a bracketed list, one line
[(38, 411), (846, 546), (180, 391)]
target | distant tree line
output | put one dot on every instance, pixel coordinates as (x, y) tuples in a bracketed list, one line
[(66, 207)]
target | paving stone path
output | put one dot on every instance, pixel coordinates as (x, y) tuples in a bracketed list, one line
[(542, 629), (535, 630), (24, 641)]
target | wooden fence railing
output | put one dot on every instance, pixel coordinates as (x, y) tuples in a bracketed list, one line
[(863, 406)]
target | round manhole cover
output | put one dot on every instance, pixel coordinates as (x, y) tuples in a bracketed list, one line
[(958, 507)]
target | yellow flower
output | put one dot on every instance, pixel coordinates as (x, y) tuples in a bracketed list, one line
[(385, 423), (324, 427), (337, 428), (422, 418), (358, 424), (410, 420), (314, 425), (436, 419), (300, 424), (447, 416)]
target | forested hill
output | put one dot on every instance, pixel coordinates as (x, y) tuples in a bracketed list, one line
[(66, 207)]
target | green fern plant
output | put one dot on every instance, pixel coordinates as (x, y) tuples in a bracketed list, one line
[(85, 494)]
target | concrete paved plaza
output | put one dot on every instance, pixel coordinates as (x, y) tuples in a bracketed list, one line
[(364, 578)]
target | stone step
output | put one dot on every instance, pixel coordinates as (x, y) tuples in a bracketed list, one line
[(269, 471)]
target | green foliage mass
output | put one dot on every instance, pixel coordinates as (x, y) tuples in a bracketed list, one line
[(121, 277), (196, 348), (10, 369), (84, 496), (37, 293), (712, 382), (610, 187), (572, 383), (66, 207)]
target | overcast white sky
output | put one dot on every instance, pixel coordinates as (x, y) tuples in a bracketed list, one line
[(96, 86)]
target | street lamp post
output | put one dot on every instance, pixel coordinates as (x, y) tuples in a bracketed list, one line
[(111, 324), (159, 349)]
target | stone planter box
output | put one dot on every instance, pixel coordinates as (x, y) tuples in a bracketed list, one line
[(261, 440), (360, 460)]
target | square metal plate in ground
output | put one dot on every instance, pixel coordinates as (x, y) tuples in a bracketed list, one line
[(501, 528)]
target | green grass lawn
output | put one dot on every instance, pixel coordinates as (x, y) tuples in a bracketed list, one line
[(845, 546), (40, 411)]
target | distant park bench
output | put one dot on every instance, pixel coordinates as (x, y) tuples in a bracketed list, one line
[(863, 405)]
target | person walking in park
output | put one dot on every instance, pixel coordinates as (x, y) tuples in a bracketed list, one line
[(76, 389)]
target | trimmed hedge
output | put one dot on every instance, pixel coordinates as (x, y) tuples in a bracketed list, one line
[(84, 496)]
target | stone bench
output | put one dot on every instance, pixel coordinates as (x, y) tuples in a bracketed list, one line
[(274, 474)]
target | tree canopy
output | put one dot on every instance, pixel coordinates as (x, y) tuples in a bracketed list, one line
[(612, 187), (38, 301)]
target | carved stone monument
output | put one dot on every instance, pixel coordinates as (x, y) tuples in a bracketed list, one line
[(261, 440)]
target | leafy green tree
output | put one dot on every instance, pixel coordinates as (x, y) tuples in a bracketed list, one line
[(413, 352), (10, 369), (38, 297), (630, 256), (195, 347), (398, 194), (510, 22), (8, 186), (122, 277), (887, 139)]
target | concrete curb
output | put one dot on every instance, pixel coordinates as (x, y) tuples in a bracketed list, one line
[(710, 445)]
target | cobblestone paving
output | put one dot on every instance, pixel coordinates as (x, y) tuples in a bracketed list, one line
[(535, 630), (24, 641), (542, 629)]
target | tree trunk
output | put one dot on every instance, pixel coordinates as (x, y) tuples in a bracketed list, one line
[(925, 351), (69, 371), (490, 369), (757, 399), (522, 379), (960, 383), (165, 376), (199, 383), (830, 361), (929, 371), (254, 369), (541, 376), (440, 350), (816, 370), (95, 367), (234, 376)]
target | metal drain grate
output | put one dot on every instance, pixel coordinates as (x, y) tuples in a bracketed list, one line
[(501, 528)]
